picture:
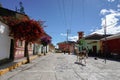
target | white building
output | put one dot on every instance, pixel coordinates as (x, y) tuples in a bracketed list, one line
[(5, 41)]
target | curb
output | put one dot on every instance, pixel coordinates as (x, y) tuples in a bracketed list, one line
[(3, 71)]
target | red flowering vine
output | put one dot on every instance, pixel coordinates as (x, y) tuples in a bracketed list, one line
[(45, 40), (24, 29), (28, 30)]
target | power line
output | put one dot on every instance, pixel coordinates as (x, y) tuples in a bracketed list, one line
[(63, 5), (83, 11), (64, 13), (67, 17), (59, 6), (71, 21)]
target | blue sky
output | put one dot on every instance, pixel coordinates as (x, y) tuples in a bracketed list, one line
[(73, 15)]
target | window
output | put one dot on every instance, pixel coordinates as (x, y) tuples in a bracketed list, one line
[(20, 43), (30, 45)]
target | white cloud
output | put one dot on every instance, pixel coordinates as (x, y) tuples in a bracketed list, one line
[(112, 18), (100, 31), (62, 34), (91, 30), (118, 9), (73, 38), (111, 0), (105, 11), (109, 30), (118, 5)]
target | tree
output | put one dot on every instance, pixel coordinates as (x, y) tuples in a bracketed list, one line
[(24, 29), (45, 40)]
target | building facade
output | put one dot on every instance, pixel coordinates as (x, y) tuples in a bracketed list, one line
[(111, 46), (39, 48), (94, 44), (14, 48), (67, 46)]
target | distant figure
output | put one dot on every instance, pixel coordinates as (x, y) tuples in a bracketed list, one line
[(64, 51), (69, 52)]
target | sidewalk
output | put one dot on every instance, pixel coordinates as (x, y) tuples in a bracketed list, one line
[(12, 65)]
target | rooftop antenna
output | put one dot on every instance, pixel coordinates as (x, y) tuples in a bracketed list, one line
[(21, 8), (0, 5), (16, 9)]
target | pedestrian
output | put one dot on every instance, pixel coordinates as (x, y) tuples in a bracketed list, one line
[(64, 51), (69, 52)]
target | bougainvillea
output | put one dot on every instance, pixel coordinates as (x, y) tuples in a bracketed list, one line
[(24, 29), (28, 30), (45, 40)]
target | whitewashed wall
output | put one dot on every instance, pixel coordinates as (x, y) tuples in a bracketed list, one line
[(38, 48), (4, 41)]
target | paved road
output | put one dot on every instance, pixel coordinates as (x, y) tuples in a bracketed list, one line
[(64, 67)]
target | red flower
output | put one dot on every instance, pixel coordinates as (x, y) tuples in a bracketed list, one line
[(45, 40), (24, 29)]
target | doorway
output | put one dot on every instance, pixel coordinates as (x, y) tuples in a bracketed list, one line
[(95, 50), (12, 50)]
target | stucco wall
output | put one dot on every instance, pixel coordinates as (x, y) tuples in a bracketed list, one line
[(39, 48), (4, 41), (91, 43)]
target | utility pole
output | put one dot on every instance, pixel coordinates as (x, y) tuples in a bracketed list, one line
[(67, 34), (67, 43), (105, 37), (105, 43)]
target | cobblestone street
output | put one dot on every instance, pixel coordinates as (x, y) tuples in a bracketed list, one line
[(64, 67)]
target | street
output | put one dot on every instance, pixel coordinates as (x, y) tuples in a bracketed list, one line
[(59, 66)]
